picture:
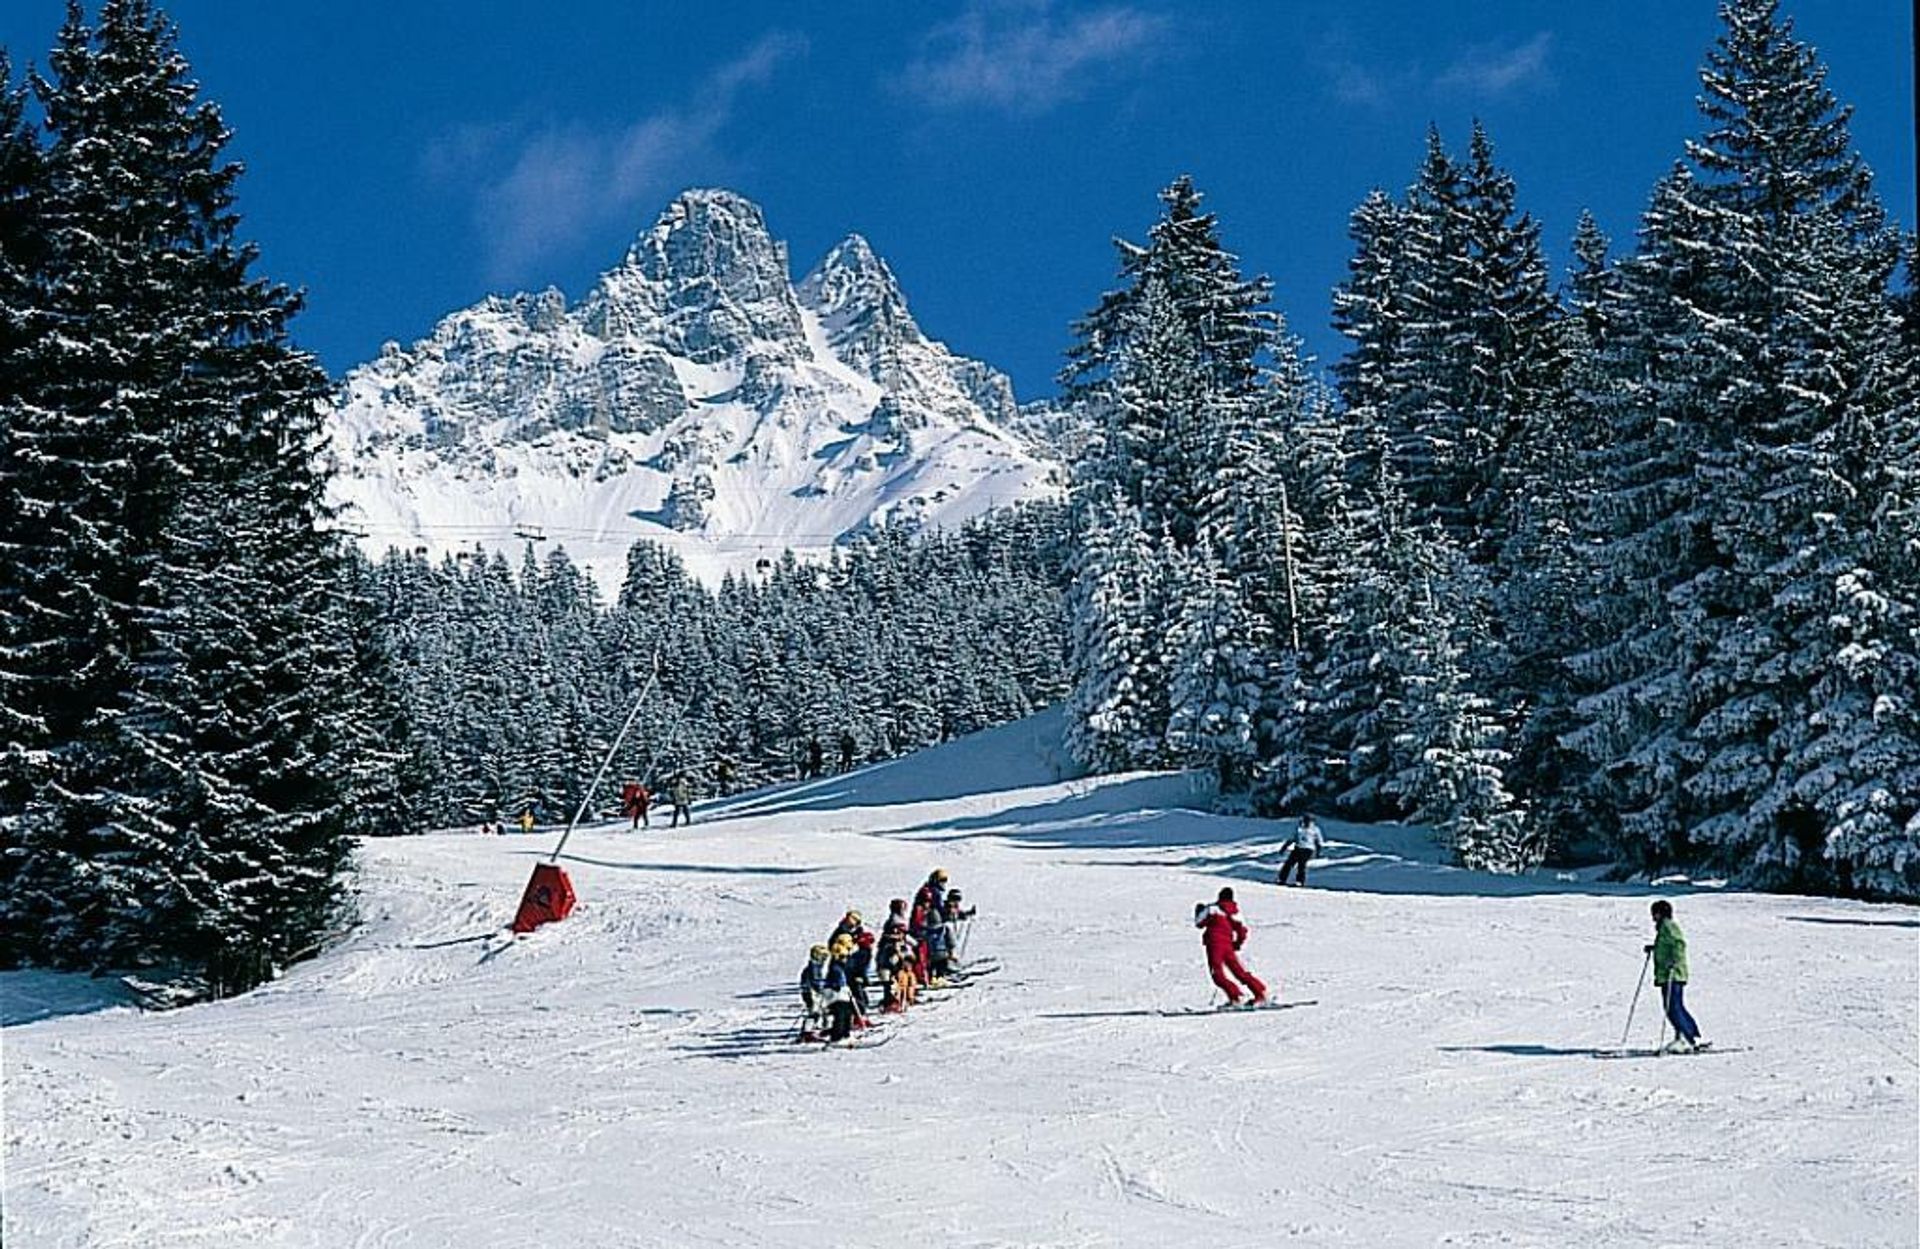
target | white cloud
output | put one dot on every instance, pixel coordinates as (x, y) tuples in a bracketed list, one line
[(1492, 70), (1485, 71), (542, 189), (1020, 56)]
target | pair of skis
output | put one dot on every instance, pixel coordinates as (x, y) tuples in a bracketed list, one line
[(880, 1031), (1237, 1008), (1664, 1052)]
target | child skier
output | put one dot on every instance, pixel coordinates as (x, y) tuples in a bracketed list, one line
[(1223, 934), (852, 964), (929, 924), (1305, 847), (898, 954), (823, 990), (957, 913), (852, 947), (1669, 950)]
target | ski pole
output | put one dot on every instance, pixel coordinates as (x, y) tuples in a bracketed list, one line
[(961, 955), (1637, 986)]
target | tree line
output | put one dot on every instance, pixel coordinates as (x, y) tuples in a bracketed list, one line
[(511, 688), (1627, 565)]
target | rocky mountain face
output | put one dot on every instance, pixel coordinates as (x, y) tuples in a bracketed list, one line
[(696, 396)]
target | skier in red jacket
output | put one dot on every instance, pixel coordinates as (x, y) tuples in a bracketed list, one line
[(1223, 934)]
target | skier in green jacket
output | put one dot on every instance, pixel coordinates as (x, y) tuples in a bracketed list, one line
[(1669, 950)]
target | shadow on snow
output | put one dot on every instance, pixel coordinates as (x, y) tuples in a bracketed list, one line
[(31, 996), (712, 869)]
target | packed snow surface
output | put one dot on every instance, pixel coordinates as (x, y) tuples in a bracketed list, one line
[(627, 1078)]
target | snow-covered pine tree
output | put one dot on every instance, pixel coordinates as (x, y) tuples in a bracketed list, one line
[(1757, 364), (1371, 308), (189, 805), (1226, 314), (1542, 575), (1118, 711), (22, 248), (1448, 759), (1220, 695)]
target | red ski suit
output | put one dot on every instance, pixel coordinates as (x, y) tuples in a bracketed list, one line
[(1222, 932)]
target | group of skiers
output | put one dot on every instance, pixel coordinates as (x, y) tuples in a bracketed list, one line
[(815, 763), (918, 946), (636, 802)]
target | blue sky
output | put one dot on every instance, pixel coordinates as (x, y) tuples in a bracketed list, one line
[(409, 156)]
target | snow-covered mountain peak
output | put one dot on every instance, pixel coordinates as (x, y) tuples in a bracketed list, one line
[(692, 396), (706, 280), (861, 308)]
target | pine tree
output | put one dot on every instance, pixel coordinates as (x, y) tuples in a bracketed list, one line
[(1757, 371), (22, 257), (1220, 696), (186, 619), (1225, 314), (1118, 712)]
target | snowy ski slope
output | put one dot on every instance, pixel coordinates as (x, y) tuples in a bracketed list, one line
[(624, 1079)]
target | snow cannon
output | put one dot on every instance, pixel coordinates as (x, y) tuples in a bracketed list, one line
[(549, 898)]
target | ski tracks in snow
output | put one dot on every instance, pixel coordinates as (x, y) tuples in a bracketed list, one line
[(627, 1078)]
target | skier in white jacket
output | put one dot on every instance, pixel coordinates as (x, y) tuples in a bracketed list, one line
[(1305, 846)]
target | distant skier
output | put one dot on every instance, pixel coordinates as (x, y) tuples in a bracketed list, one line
[(1223, 934), (824, 992), (635, 801), (847, 749), (1669, 950), (723, 776), (526, 820), (815, 759), (681, 791), (1305, 847)]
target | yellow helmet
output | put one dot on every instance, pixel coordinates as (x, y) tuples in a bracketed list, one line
[(852, 917), (842, 945), (939, 875), (819, 953)]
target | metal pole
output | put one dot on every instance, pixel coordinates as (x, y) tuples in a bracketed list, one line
[(1637, 986), (587, 799)]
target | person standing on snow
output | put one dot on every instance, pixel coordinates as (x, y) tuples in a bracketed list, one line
[(681, 791), (898, 954), (848, 747), (859, 954), (1305, 847), (1669, 950), (848, 957), (1223, 934), (957, 913), (636, 801), (929, 924), (823, 990)]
